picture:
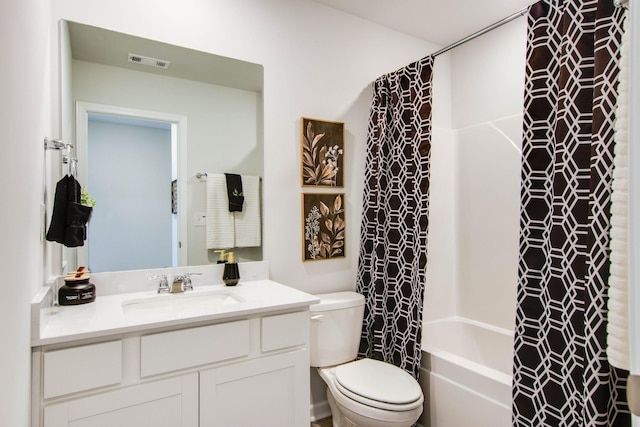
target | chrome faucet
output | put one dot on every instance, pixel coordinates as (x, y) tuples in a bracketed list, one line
[(180, 283)]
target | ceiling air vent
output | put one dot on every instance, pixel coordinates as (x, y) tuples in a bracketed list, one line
[(151, 62)]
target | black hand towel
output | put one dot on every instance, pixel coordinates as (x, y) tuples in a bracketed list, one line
[(59, 215), (234, 192), (67, 192)]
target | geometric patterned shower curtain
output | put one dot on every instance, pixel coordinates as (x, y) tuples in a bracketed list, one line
[(561, 373), (393, 237)]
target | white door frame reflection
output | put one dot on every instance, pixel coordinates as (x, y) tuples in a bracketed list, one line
[(179, 157)]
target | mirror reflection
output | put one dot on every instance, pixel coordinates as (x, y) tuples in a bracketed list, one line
[(149, 118)]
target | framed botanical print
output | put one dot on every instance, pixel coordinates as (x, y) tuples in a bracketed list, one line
[(174, 196), (323, 224), (322, 152)]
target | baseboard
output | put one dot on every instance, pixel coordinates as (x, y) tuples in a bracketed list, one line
[(319, 411)]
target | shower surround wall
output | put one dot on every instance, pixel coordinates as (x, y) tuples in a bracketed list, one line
[(475, 182), (473, 232)]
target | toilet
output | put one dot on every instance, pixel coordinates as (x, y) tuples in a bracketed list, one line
[(365, 392)]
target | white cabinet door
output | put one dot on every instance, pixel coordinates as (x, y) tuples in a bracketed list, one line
[(266, 392), (167, 403)]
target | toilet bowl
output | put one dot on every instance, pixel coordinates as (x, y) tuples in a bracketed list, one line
[(372, 393), (364, 392)]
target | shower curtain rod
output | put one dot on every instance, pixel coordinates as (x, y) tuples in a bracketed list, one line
[(500, 23), (482, 31)]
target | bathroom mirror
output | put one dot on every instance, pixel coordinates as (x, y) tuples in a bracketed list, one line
[(208, 106)]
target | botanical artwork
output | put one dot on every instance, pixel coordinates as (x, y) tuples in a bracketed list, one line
[(322, 153), (174, 196), (324, 226)]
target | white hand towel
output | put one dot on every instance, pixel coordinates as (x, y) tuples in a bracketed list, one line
[(219, 224), (248, 229), (617, 305)]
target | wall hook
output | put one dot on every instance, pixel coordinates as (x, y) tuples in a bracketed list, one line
[(55, 144)]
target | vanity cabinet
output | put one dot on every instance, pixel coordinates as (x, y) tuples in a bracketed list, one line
[(252, 371)]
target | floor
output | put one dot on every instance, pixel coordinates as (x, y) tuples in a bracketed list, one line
[(325, 422)]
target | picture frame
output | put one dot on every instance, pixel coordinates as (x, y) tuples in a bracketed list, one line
[(323, 226), (174, 196), (322, 153)]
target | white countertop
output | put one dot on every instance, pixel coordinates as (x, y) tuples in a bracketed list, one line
[(105, 316)]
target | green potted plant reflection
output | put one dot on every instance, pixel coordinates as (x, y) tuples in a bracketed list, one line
[(86, 199)]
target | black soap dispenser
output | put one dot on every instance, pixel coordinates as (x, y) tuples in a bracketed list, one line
[(231, 275)]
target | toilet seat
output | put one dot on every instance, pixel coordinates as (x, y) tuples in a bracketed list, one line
[(379, 385)]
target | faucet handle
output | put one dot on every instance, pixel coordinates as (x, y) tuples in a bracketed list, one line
[(186, 280), (163, 286)]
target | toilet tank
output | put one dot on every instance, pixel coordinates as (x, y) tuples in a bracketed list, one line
[(336, 323)]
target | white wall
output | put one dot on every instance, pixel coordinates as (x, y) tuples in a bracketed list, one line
[(25, 109), (318, 62), (475, 180)]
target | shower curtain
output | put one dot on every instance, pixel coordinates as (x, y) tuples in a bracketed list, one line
[(393, 237), (561, 373)]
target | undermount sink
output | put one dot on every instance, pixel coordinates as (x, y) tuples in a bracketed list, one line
[(178, 305)]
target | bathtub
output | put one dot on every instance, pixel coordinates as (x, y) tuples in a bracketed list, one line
[(466, 374)]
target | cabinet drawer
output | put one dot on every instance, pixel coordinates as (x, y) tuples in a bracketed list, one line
[(170, 351), (284, 330), (82, 368)]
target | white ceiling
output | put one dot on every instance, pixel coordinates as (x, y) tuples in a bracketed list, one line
[(107, 47), (439, 21)]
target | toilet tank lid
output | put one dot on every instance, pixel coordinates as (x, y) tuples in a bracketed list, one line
[(337, 300)]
